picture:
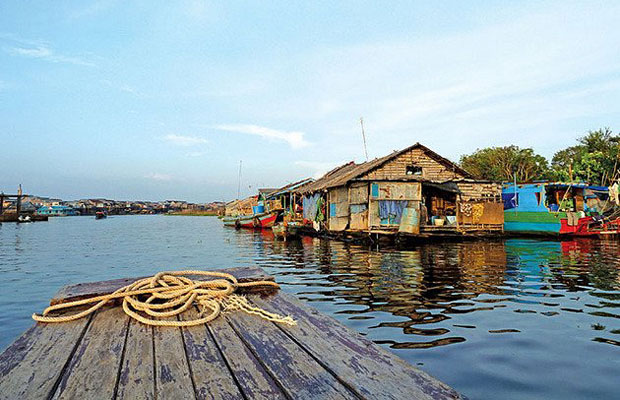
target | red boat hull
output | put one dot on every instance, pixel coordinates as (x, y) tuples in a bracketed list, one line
[(587, 227), (259, 221)]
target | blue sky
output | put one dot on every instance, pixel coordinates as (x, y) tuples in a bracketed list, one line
[(158, 99)]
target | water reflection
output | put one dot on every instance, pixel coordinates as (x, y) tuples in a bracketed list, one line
[(514, 318), (435, 283)]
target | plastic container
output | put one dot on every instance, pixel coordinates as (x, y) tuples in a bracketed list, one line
[(439, 222), (258, 209)]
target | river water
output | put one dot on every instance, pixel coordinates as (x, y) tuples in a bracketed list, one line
[(514, 319)]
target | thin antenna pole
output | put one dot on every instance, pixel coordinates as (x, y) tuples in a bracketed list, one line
[(239, 182), (364, 137)]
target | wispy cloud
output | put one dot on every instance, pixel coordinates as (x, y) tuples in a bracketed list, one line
[(293, 138), (123, 88), (181, 140), (91, 9), (159, 177), (196, 153), (41, 50), (318, 168)]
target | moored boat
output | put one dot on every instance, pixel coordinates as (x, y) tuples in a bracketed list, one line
[(559, 208), (256, 221), (100, 215)]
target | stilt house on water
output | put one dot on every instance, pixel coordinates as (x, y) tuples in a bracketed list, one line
[(285, 198), (414, 191)]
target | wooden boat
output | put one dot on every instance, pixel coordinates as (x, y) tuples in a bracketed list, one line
[(256, 221), (558, 208), (100, 215)]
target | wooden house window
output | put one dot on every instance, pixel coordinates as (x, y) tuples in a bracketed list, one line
[(414, 170)]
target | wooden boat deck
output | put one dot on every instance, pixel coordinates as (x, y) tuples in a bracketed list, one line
[(237, 356)]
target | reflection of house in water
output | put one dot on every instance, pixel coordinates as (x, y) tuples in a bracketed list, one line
[(483, 267), (425, 286)]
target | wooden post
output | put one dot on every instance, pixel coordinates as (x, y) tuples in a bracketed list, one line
[(18, 204)]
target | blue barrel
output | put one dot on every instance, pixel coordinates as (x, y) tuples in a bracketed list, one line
[(258, 209)]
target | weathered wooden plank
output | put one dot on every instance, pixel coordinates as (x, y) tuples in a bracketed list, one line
[(93, 369), (32, 365), (210, 374), (136, 380), (172, 375), (255, 382), (300, 376), (368, 369), (91, 289)]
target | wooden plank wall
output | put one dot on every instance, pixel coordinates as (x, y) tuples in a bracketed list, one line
[(477, 190), (411, 191), (397, 168), (358, 195), (492, 216), (338, 208)]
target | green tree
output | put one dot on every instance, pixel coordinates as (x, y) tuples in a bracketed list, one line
[(594, 159), (503, 164)]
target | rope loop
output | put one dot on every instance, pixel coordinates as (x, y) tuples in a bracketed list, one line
[(169, 294)]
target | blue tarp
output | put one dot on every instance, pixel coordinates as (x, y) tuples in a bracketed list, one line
[(510, 200)]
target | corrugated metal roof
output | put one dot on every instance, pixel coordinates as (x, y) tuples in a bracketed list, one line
[(289, 188)]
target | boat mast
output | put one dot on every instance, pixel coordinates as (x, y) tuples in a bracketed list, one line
[(364, 138), (239, 182)]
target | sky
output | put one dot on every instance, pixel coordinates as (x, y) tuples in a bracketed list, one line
[(160, 100)]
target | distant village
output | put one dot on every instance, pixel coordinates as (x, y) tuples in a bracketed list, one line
[(29, 204)]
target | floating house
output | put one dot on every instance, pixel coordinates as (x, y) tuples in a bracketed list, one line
[(560, 208), (56, 211), (285, 198), (414, 191)]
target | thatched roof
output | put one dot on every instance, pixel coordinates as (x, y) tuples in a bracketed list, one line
[(347, 172)]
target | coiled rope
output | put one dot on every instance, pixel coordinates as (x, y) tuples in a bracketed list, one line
[(168, 294)]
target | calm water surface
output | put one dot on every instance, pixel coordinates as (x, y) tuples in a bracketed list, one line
[(513, 319)]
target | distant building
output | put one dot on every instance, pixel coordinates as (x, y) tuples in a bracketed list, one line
[(57, 211)]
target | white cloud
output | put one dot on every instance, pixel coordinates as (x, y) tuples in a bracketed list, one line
[(42, 51), (317, 168), (187, 141), (159, 177), (196, 153), (524, 80), (294, 139)]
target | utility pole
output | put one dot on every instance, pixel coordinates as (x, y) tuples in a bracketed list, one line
[(364, 137)]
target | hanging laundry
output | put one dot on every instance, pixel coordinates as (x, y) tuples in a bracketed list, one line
[(310, 206), (391, 211)]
